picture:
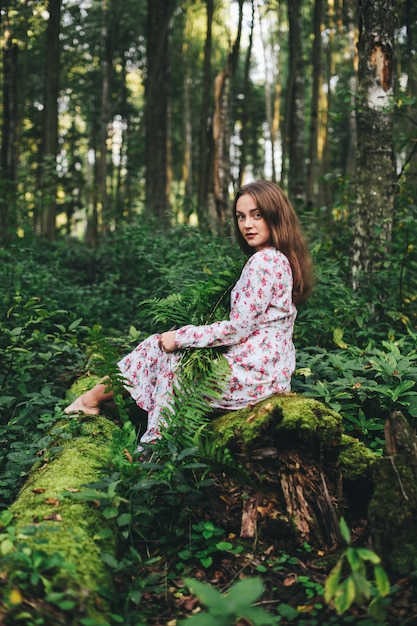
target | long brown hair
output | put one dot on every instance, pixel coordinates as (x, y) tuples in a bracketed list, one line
[(286, 233)]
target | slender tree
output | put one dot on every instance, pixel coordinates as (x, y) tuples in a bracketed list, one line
[(222, 128), (9, 148), (313, 170), (156, 108), (375, 173), (294, 139), (48, 177), (205, 133)]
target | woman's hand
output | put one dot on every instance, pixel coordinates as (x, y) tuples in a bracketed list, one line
[(167, 341)]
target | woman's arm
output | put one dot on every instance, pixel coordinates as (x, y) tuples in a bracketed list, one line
[(266, 278)]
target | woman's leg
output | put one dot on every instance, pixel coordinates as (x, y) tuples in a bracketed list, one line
[(90, 401)]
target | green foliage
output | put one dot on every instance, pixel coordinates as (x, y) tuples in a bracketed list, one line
[(364, 385), (227, 609), (355, 588), (69, 309)]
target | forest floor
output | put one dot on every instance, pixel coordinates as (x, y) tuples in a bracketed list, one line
[(293, 587)]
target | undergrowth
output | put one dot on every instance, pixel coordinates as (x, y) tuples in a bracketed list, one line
[(67, 310)]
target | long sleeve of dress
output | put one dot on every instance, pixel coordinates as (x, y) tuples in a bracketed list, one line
[(262, 295)]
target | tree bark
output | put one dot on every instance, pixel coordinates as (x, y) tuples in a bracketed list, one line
[(66, 526), (245, 109), (222, 129), (49, 178), (393, 508), (375, 172), (206, 141), (301, 472), (156, 108), (295, 106), (313, 169), (9, 147)]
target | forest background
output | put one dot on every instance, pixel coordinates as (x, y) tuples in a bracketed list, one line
[(126, 129)]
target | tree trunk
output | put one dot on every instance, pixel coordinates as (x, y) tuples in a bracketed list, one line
[(206, 146), (313, 169), (108, 28), (295, 106), (66, 526), (222, 129), (48, 178), (375, 174), (393, 509), (301, 470), (245, 112), (156, 107), (9, 147)]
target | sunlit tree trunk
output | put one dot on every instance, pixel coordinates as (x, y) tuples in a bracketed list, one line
[(156, 107), (350, 163), (48, 178), (375, 174), (245, 111), (108, 28), (222, 129), (295, 106), (206, 143), (411, 71), (313, 169), (9, 148)]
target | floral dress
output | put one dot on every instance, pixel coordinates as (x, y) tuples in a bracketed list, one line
[(257, 338)]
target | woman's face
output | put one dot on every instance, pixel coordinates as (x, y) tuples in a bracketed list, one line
[(253, 227)]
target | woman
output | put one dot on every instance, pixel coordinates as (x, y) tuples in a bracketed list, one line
[(258, 335)]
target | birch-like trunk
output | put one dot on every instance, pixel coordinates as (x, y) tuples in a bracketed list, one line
[(375, 178), (295, 108)]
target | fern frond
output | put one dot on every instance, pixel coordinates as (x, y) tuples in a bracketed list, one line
[(201, 303)]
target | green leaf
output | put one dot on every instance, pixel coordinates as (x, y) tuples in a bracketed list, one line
[(206, 593), (6, 546), (124, 519), (206, 561), (110, 511), (381, 580), (344, 530), (74, 324), (244, 593), (345, 596), (104, 533), (353, 558), (368, 555), (287, 611), (258, 616), (332, 582)]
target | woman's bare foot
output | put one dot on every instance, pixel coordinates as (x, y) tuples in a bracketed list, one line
[(90, 401), (81, 405)]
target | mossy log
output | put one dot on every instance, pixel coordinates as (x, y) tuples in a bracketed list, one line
[(48, 519), (393, 508), (304, 471)]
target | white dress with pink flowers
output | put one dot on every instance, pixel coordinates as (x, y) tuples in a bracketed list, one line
[(257, 338)]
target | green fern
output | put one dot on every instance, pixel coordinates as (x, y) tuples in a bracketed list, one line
[(200, 303)]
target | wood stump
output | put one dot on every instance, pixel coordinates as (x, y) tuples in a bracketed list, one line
[(393, 508), (302, 471)]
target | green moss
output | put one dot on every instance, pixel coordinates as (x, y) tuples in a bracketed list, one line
[(355, 459), (82, 385), (393, 514), (289, 412), (65, 525)]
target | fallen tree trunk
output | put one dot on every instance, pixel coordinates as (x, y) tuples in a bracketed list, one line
[(304, 472), (60, 537)]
